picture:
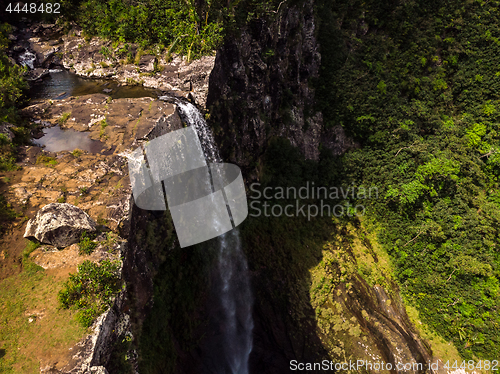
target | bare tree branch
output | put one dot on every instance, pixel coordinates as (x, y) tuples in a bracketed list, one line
[(277, 10), (413, 239), (493, 151), (404, 148), (451, 275)]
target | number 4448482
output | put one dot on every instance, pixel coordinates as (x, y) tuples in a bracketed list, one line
[(34, 8), (472, 365)]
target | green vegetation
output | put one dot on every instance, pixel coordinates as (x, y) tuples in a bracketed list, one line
[(152, 22), (102, 131), (86, 244), (77, 153), (64, 118), (418, 87), (12, 87), (105, 51), (90, 290), (12, 83), (6, 213), (31, 324), (46, 160), (191, 28)]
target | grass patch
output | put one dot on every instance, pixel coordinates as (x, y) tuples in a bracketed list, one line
[(32, 294), (90, 290), (7, 214), (46, 160), (7, 158), (104, 124), (64, 118), (138, 56), (132, 82), (77, 153), (105, 51)]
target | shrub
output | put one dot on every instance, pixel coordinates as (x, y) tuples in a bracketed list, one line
[(86, 244), (64, 117), (105, 51), (104, 124), (77, 153), (91, 289)]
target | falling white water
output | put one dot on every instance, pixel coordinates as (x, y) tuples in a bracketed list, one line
[(195, 119), (236, 301), (27, 58), (233, 285)]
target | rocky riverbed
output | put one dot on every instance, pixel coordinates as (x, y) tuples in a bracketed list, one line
[(43, 47)]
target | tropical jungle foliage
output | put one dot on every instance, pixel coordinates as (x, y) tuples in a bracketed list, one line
[(12, 85), (417, 84), (194, 27)]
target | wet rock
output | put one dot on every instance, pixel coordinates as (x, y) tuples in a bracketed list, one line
[(18, 48), (27, 58), (45, 56), (36, 74), (59, 224)]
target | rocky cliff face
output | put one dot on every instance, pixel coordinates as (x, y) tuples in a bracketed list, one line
[(262, 85)]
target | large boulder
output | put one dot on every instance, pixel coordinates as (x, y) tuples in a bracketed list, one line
[(59, 224)]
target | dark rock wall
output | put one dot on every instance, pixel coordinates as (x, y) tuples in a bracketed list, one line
[(262, 86)]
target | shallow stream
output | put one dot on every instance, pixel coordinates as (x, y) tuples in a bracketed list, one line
[(61, 84)]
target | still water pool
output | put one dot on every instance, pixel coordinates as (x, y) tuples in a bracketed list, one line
[(61, 84)]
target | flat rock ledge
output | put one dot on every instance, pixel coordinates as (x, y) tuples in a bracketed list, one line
[(59, 224)]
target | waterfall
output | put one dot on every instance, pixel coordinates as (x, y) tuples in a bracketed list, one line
[(236, 300), (193, 116), (27, 58), (232, 287)]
